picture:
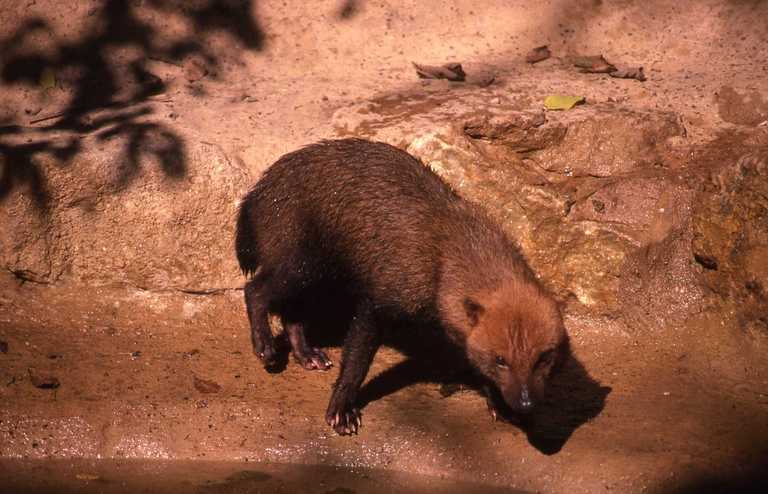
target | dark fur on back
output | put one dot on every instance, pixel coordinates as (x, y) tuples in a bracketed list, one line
[(372, 223), (353, 211)]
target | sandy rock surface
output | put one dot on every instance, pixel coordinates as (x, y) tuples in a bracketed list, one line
[(130, 130)]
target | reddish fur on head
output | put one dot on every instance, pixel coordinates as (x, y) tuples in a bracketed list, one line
[(514, 337), (493, 305), (516, 340)]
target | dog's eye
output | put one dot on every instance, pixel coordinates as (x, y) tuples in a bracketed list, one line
[(545, 358), (501, 362)]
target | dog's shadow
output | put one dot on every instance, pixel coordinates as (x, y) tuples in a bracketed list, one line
[(573, 397)]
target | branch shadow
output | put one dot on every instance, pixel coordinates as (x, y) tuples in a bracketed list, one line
[(19, 167), (96, 91)]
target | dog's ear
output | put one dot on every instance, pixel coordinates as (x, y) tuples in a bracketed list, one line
[(474, 311)]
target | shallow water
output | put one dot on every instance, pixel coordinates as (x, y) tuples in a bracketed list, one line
[(207, 477)]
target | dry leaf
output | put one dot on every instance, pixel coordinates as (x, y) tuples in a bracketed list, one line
[(86, 476), (594, 64), (538, 54), (449, 71), (47, 79), (629, 73), (205, 386), (43, 381)]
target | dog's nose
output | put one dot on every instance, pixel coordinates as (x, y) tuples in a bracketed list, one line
[(524, 404)]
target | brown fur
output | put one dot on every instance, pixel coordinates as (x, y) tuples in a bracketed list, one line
[(520, 331), (372, 223), (497, 308)]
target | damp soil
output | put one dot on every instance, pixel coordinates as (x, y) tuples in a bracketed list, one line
[(631, 412), (207, 477)]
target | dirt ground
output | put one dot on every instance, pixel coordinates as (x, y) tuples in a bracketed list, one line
[(648, 414), (119, 376)]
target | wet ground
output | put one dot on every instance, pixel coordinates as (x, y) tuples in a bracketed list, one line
[(207, 477), (630, 412)]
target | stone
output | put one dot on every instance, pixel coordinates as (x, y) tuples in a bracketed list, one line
[(730, 237)]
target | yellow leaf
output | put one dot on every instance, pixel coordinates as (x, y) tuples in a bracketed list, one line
[(561, 102)]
